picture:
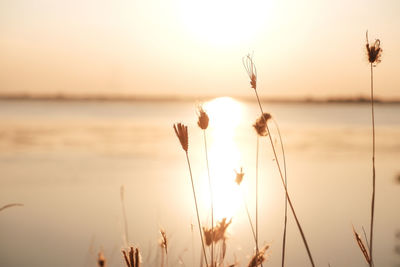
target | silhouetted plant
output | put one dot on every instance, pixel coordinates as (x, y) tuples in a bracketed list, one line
[(252, 73), (362, 246), (133, 259), (202, 122), (260, 127), (238, 180), (164, 247), (182, 134), (259, 257), (374, 53)]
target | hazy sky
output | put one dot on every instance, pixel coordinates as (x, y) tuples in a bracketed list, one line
[(188, 47)]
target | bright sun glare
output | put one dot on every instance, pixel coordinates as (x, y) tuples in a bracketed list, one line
[(225, 116), (225, 21)]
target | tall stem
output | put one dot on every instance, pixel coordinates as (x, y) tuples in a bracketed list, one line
[(284, 185), (284, 169), (373, 169), (212, 198), (197, 210), (257, 150)]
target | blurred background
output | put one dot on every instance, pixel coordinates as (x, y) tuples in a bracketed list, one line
[(89, 91)]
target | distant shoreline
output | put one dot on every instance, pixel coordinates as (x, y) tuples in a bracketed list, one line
[(131, 98)]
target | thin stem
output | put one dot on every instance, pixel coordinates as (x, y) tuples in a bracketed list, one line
[(257, 150), (373, 168), (284, 168), (191, 230), (211, 196), (365, 236), (248, 216), (284, 185), (197, 210)]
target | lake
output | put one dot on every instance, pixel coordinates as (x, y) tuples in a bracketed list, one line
[(67, 160)]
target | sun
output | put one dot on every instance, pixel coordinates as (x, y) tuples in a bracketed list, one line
[(225, 22), (225, 116)]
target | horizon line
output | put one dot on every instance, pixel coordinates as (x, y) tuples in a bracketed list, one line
[(185, 98)]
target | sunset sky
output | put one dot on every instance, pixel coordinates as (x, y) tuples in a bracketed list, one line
[(194, 48)]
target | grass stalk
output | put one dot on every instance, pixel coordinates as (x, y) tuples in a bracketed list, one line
[(286, 201), (284, 185), (197, 210), (249, 217), (211, 196), (373, 169), (256, 235)]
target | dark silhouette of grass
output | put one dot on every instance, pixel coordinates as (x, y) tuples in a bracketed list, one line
[(374, 54), (252, 73), (182, 134), (286, 200), (202, 122), (133, 259)]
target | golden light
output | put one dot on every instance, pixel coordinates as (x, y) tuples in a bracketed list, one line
[(225, 116), (225, 21)]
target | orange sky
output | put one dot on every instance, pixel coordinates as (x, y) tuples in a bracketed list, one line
[(185, 47)]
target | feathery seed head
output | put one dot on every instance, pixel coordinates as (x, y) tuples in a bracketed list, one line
[(251, 70), (208, 235), (182, 134), (261, 124), (258, 257), (239, 176), (220, 230), (218, 233), (374, 51), (203, 118)]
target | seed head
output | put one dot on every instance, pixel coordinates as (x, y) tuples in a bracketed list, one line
[(362, 246), (164, 240), (133, 259), (182, 134), (203, 118), (251, 70), (208, 235), (101, 260), (220, 229), (218, 233), (374, 51), (261, 124), (239, 176), (259, 257)]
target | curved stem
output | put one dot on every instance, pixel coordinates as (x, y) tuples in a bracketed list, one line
[(373, 169), (197, 210), (284, 185), (284, 169), (212, 198)]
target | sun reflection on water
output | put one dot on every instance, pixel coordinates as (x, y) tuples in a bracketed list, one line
[(225, 116)]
